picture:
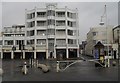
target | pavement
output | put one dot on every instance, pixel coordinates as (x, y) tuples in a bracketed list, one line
[(83, 71)]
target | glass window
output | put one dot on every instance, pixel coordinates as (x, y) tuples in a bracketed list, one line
[(8, 42), (50, 13), (41, 41), (0, 42), (51, 22), (94, 41), (94, 33)]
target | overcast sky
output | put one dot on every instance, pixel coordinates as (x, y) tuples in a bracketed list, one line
[(89, 13)]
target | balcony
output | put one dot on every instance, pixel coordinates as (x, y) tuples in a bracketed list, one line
[(51, 17), (7, 47), (72, 45), (41, 18), (51, 36), (72, 37), (41, 47), (60, 27), (51, 26), (60, 46)]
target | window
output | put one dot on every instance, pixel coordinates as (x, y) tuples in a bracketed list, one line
[(51, 32), (0, 42), (30, 16), (51, 22), (71, 24), (8, 42), (41, 23), (41, 32), (7, 35), (60, 41), (71, 15), (30, 33), (60, 14), (41, 14), (70, 32), (94, 33), (50, 13), (94, 41), (60, 23), (31, 24), (18, 41), (70, 41), (41, 41), (30, 42)]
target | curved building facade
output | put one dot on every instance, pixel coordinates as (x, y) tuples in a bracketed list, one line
[(52, 31)]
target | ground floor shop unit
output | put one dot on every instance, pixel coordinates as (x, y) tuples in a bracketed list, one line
[(57, 54)]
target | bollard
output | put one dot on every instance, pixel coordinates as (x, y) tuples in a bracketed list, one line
[(24, 69), (57, 68), (114, 63)]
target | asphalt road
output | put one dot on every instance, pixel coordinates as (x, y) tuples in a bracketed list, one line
[(83, 71)]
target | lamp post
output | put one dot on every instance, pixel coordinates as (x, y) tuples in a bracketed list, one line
[(32, 56), (13, 49), (118, 44), (102, 23)]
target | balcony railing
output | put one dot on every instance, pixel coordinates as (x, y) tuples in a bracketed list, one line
[(60, 16), (51, 36), (41, 16), (72, 45), (60, 45)]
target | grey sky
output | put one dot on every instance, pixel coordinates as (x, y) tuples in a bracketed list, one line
[(89, 13)]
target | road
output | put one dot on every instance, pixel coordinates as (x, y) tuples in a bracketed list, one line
[(83, 71)]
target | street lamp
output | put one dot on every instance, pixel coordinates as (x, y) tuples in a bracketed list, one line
[(31, 58), (118, 44), (13, 49), (102, 23)]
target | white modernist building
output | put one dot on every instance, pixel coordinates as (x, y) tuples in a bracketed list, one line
[(48, 32), (11, 36), (102, 34), (52, 31)]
